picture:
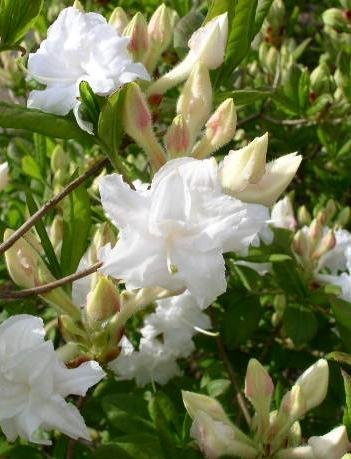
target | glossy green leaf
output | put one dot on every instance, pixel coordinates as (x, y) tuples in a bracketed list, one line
[(18, 117), (16, 18), (300, 324), (218, 7), (90, 105), (342, 314), (245, 96)]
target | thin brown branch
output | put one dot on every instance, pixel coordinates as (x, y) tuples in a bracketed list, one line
[(50, 204), (41, 289), (234, 380)]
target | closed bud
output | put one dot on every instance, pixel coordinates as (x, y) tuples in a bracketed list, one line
[(103, 235), (178, 138), (259, 389), (206, 45), (315, 230), (314, 383), (327, 243), (138, 125), (276, 14), (294, 437), (220, 129), (160, 32), (139, 39), (321, 79), (194, 403), (301, 244), (272, 60), (303, 216), (334, 17), (56, 233), (195, 101), (330, 209), (119, 19), (102, 302), (294, 404), (78, 6), (343, 217)]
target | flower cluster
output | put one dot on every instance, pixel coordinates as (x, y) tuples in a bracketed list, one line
[(276, 434)]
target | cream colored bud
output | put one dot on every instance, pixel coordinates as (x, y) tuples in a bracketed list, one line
[(314, 383), (242, 167), (102, 302), (294, 403), (303, 216), (259, 389), (295, 435), (195, 100), (56, 233), (333, 17), (343, 217), (177, 138), (103, 235), (160, 32), (119, 19), (206, 45), (301, 244), (139, 39), (276, 14), (320, 79), (194, 403), (137, 121), (78, 6), (327, 243), (330, 209), (220, 129), (315, 230)]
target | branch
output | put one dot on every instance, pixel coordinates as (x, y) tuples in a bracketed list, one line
[(50, 204), (234, 380), (41, 289)]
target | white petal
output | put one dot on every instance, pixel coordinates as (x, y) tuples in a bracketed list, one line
[(77, 380), (55, 99), (21, 332)]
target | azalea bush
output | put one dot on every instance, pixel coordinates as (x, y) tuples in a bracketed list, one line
[(175, 229)]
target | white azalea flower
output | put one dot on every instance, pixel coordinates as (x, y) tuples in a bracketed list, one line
[(4, 175), (173, 235), (152, 363), (34, 383), (337, 259), (282, 215), (343, 281), (79, 47)]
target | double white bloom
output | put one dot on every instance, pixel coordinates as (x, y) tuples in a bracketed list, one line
[(34, 384), (79, 47), (173, 235)]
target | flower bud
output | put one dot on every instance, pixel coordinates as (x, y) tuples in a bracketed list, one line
[(276, 14), (303, 216), (102, 302), (4, 175), (327, 243), (294, 404), (194, 403), (321, 79), (59, 159), (207, 45), (56, 233), (301, 244), (343, 217), (139, 39), (178, 138), (138, 125), (259, 389), (331, 445), (160, 32), (103, 235), (119, 19), (314, 383), (220, 129), (217, 439), (330, 209), (294, 437), (195, 100), (333, 17), (70, 329), (78, 6), (315, 230)]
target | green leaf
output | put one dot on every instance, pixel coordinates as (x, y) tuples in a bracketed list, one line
[(110, 127), (245, 96), (263, 8), (347, 412), (341, 357), (241, 33), (342, 314), (218, 7), (241, 319), (17, 117), (49, 251), (300, 324), (16, 18), (287, 275), (31, 168), (40, 145), (76, 228), (90, 104)]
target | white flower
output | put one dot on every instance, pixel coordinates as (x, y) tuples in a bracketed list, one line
[(177, 319), (343, 281), (331, 445), (173, 235), (206, 45), (4, 175), (79, 47), (34, 383), (282, 215), (152, 363)]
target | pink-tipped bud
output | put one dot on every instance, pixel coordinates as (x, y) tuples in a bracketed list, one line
[(139, 39), (195, 101), (137, 121), (315, 230), (327, 243), (178, 138), (220, 129), (294, 404), (314, 383), (119, 19), (301, 244)]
